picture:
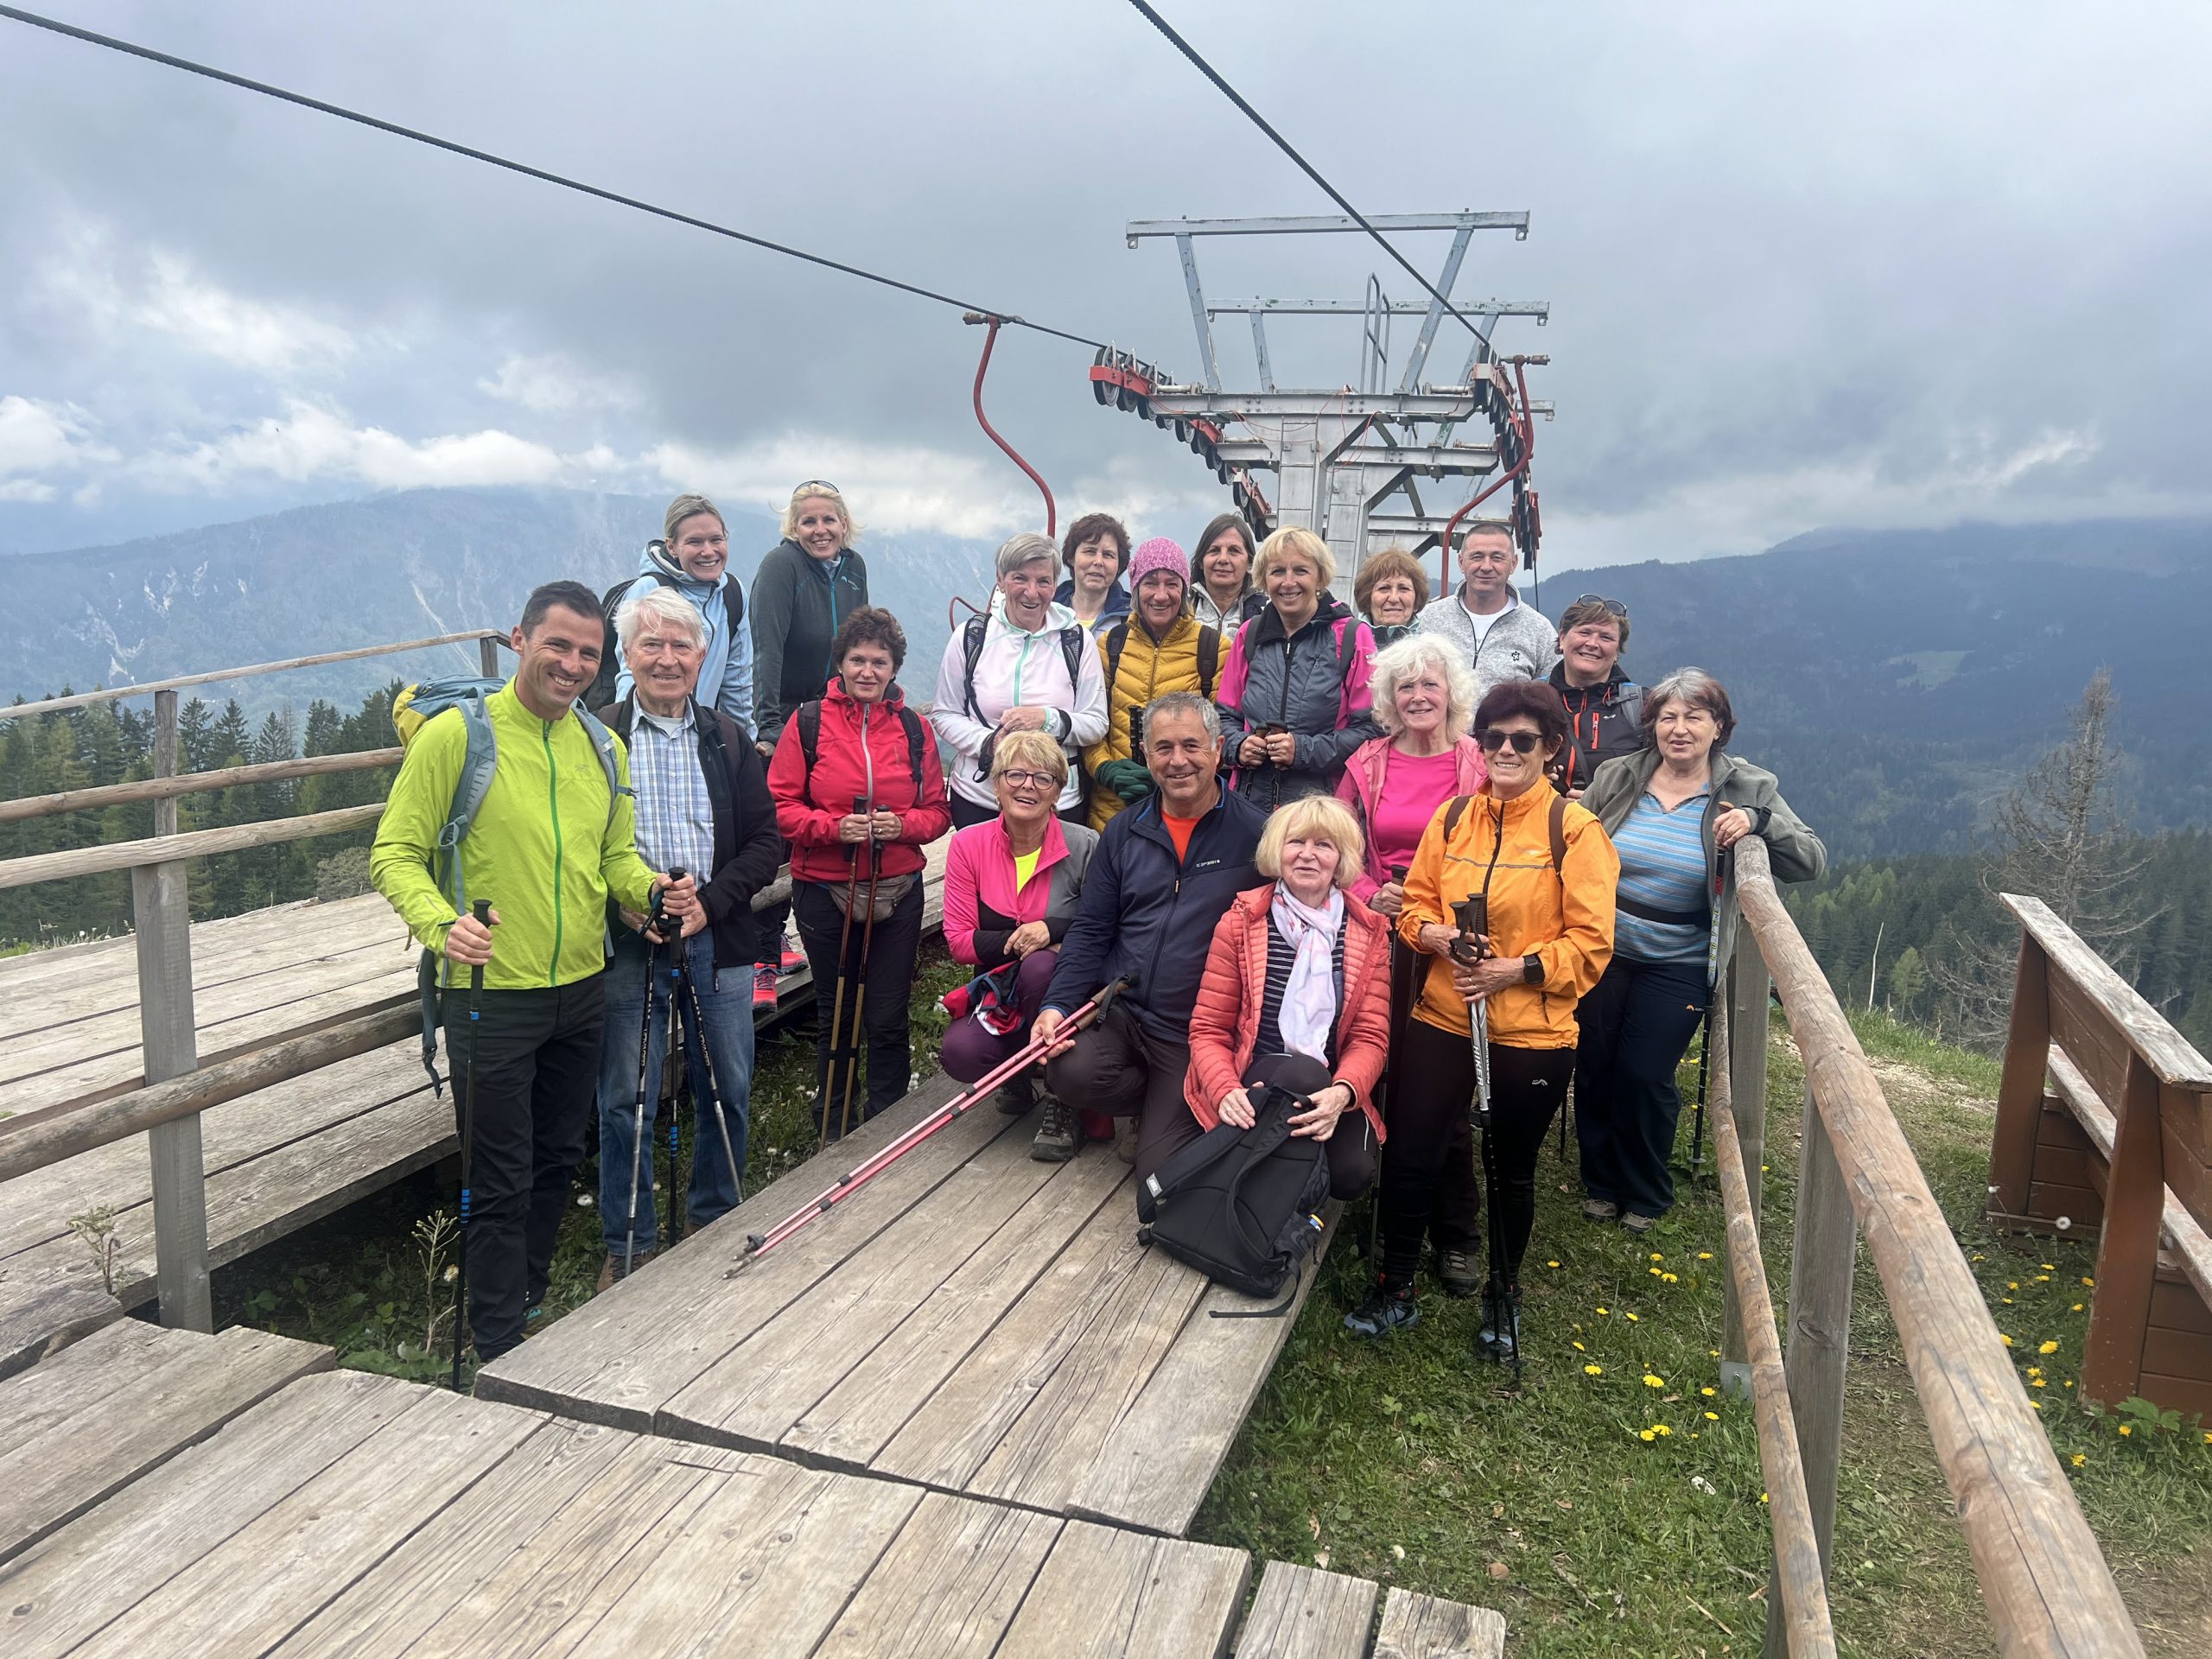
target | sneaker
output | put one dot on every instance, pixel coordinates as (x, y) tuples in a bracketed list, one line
[(791, 961), (613, 1270), (1058, 1134), (1125, 1142), (1016, 1096), (1457, 1273), (1638, 1224), (1492, 1343), (1601, 1209), (765, 974), (1388, 1307)]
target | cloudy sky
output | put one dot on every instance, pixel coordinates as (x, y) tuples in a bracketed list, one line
[(1889, 264)]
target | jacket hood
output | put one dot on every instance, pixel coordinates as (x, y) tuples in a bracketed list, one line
[(1117, 598), (1615, 676), (1269, 621), (657, 561), (893, 697)]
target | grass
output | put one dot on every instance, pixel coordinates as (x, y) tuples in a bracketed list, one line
[(1411, 1463)]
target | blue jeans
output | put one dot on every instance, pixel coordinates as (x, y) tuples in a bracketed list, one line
[(727, 1014)]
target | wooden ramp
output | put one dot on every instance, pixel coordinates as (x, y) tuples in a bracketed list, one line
[(971, 1321)]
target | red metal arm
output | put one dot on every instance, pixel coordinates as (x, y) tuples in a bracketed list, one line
[(1051, 513)]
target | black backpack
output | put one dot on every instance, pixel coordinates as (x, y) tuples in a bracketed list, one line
[(1242, 1206), (1074, 641), (601, 691), (809, 719)]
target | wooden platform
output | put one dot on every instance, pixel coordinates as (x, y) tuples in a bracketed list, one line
[(972, 1321)]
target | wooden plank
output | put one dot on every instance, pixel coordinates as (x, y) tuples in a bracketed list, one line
[(1744, 990), (73, 1582), (2019, 1087), (47, 1319), (623, 1355), (2042, 1576), (1108, 1594), (2175, 1303), (2178, 1353), (1302, 1612), (1423, 1627), (38, 1402), (2179, 1230), (155, 850), (753, 1394), (100, 797), (2171, 1057), (2190, 1395), (857, 1419), (763, 1568), (1154, 1468), (544, 1542), (256, 1586), (119, 1435), (949, 1585)]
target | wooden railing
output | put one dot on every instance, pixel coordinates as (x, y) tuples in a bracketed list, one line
[(2044, 1581), (160, 924)]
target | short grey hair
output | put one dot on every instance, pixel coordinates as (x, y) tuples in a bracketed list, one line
[(1409, 659), (1695, 689), (1185, 702), (1026, 549), (660, 605)]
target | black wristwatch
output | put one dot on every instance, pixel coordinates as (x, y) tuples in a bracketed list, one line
[(1532, 970)]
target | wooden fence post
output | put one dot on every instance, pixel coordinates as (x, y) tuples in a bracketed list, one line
[(161, 916), (1746, 987), (2127, 1249), (2019, 1088), (487, 658), (1823, 1257)]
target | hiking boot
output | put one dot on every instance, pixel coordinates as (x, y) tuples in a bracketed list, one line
[(1125, 1139), (765, 974), (1388, 1307), (1017, 1095), (1058, 1134), (613, 1270), (1457, 1273), (1492, 1342), (1601, 1209), (1638, 1224)]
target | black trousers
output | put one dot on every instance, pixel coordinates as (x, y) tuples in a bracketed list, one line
[(534, 1061), (892, 946), (1636, 1025), (1455, 1215), (1349, 1147), (1120, 1070), (1527, 1086)]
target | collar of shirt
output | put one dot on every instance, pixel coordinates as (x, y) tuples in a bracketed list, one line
[(665, 726)]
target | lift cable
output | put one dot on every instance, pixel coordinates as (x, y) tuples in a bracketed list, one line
[(1306, 166), (527, 171)]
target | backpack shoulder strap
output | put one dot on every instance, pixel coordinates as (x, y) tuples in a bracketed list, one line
[(602, 743), (1347, 637), (1559, 836), (1457, 810), (1209, 660), (734, 604), (1075, 639), (971, 653), (1117, 637), (912, 722), (807, 719)]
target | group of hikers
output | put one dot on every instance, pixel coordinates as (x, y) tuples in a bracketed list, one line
[(1260, 809)]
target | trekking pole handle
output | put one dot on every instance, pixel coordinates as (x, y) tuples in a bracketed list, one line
[(657, 922), (1472, 914)]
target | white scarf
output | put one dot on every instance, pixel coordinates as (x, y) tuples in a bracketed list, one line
[(1309, 998)]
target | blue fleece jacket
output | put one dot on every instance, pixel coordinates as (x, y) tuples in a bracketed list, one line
[(725, 675)]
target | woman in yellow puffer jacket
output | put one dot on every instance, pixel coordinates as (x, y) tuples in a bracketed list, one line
[(1548, 872), (1156, 649)]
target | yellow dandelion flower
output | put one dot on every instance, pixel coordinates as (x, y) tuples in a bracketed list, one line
[(1669, 1278), (1594, 1370), (2080, 1458), (2047, 1348), (2011, 1284), (1708, 1393), (2048, 1267), (2068, 1383), (1654, 1271), (1647, 1435), (2043, 1278), (2207, 1432), (1651, 1381), (2035, 1370), (1715, 1417), (2002, 1337), (2088, 1281), (2036, 1384), (1579, 1349), (2036, 1405), (1705, 1255), (1631, 1319), (1551, 1264), (1601, 1310), (2076, 1308), (1660, 1429), (1977, 1256), (2126, 1430), (1762, 1497), (1713, 1352), (1656, 1256)]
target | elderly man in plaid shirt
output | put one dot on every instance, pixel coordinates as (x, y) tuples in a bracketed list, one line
[(703, 806)]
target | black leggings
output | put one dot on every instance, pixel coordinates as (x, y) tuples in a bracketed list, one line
[(1436, 1070)]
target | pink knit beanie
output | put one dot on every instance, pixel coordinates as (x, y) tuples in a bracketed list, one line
[(1159, 554)]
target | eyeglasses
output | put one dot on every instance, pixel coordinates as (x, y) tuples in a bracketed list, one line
[(1493, 740), (1030, 781), (1614, 607), (816, 487)]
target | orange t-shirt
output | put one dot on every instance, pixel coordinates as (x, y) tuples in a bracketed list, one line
[(1179, 831)]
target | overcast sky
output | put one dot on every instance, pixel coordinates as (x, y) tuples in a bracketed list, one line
[(1888, 264)]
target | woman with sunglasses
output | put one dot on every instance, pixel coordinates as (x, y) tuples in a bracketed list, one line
[(1673, 811), (1546, 873), (1603, 706), (806, 586), (1011, 885)]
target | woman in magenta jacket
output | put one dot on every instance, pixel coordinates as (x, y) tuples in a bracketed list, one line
[(857, 811)]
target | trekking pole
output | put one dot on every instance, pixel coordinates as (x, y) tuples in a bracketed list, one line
[(676, 1033), (1397, 872), (1705, 1026), (483, 913), (757, 1245), (860, 987), (645, 1052), (844, 964), (1472, 914), (695, 1023)]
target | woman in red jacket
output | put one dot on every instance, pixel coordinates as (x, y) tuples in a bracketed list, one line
[(1297, 994), (859, 793)]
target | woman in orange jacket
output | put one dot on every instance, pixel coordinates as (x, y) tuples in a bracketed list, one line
[(1297, 994), (1548, 872)]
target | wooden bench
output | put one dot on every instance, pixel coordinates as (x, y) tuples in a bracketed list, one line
[(1303, 1612), (2118, 1147)]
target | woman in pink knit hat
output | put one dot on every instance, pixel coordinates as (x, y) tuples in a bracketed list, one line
[(1158, 648)]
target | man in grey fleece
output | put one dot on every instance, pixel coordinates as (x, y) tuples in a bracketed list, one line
[(1503, 638)]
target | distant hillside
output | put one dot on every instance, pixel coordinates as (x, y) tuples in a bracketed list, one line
[(389, 567), (1898, 681)]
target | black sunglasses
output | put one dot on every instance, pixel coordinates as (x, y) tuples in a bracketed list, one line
[(816, 487), (1493, 740), (1614, 607)]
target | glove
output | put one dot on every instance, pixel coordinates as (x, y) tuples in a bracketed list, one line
[(1126, 778)]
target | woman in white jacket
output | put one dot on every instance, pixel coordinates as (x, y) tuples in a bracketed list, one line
[(1028, 666)]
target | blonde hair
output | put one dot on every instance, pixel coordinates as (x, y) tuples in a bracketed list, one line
[(1394, 664), (1032, 752), (1311, 816), (1291, 539), (824, 492), (687, 506)]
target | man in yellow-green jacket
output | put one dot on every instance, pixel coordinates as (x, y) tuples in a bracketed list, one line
[(550, 846)]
